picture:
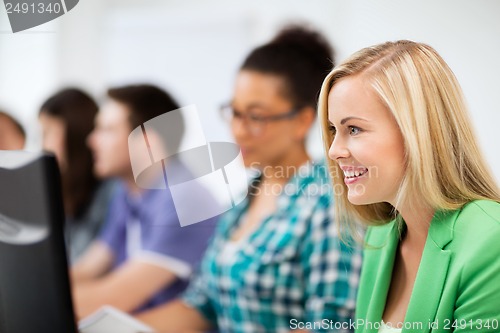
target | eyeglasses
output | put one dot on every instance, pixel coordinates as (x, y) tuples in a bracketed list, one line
[(254, 123)]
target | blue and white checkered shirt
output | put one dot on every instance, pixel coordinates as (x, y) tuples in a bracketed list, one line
[(292, 272)]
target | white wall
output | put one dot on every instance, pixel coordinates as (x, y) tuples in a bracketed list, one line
[(193, 48), (28, 62)]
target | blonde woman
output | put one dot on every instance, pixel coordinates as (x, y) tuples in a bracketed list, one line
[(404, 159)]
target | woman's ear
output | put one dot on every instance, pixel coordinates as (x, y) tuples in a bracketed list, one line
[(304, 120)]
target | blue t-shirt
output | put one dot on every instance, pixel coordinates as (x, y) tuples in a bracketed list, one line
[(145, 227)]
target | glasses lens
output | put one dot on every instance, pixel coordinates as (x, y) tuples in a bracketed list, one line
[(253, 124)]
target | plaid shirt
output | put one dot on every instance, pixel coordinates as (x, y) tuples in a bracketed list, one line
[(291, 271)]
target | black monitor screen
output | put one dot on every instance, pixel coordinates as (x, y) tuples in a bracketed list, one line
[(34, 286)]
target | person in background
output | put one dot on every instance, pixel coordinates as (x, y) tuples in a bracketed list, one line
[(66, 119), (12, 134), (275, 263), (143, 257), (403, 151)]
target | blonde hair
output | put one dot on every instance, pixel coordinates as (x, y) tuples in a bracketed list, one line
[(444, 165)]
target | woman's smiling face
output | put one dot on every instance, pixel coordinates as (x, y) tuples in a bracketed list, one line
[(368, 145)]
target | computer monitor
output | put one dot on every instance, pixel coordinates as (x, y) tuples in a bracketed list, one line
[(34, 285)]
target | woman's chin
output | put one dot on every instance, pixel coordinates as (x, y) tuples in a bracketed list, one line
[(360, 200), (355, 201), (357, 198)]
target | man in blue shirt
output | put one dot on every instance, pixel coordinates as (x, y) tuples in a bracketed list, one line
[(143, 256)]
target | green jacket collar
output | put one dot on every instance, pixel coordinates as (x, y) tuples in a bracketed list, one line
[(431, 274)]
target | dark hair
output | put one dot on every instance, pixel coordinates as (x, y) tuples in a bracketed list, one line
[(299, 55), (77, 111), (146, 102), (14, 122)]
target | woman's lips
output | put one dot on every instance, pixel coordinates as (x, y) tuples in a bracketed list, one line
[(352, 175), (245, 151)]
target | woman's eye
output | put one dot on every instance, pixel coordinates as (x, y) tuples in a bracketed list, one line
[(256, 118), (332, 129), (353, 130), (237, 114)]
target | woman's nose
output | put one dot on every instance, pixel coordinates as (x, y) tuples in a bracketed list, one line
[(90, 139), (239, 128), (338, 149)]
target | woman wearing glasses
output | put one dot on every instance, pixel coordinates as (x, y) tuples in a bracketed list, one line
[(402, 147), (275, 263)]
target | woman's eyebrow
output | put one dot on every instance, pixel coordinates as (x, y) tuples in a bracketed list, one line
[(343, 121), (256, 105)]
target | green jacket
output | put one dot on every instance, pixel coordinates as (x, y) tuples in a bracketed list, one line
[(457, 287)]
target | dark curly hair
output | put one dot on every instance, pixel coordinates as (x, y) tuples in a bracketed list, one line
[(302, 57)]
